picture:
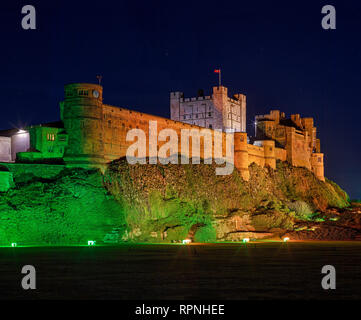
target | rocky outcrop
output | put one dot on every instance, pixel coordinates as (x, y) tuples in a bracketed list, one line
[(167, 203), (174, 202)]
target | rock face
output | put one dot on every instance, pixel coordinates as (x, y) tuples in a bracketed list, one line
[(165, 203), (175, 202)]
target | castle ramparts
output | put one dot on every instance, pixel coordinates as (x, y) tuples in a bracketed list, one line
[(97, 132)]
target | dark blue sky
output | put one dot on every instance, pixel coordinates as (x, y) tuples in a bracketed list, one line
[(273, 51)]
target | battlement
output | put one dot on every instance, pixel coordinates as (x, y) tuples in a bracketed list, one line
[(274, 115), (240, 97), (220, 90)]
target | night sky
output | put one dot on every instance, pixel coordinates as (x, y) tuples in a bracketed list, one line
[(274, 52)]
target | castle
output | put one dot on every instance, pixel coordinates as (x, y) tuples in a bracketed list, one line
[(91, 133)]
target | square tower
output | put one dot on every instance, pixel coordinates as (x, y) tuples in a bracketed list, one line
[(217, 111)]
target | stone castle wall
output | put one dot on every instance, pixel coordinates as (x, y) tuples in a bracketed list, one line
[(97, 133)]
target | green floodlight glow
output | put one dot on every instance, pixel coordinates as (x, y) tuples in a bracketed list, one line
[(245, 240), (14, 244), (91, 243), (285, 239)]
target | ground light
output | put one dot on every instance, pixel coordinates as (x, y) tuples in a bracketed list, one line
[(91, 243), (245, 240), (14, 244), (186, 241), (285, 239)]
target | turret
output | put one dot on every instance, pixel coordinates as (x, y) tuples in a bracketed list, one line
[(317, 165), (241, 154), (220, 98), (82, 116), (243, 104), (175, 98), (269, 153)]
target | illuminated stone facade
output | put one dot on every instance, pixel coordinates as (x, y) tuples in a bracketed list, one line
[(296, 135), (94, 133), (215, 112)]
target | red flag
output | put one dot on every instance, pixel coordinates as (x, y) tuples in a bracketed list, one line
[(217, 71)]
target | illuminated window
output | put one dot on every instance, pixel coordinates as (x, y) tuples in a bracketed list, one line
[(50, 137)]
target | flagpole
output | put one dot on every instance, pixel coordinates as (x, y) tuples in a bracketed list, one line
[(219, 77)]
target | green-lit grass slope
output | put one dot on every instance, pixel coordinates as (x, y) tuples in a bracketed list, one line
[(69, 209)]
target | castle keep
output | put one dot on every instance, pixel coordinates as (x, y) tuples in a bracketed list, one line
[(215, 112), (92, 133)]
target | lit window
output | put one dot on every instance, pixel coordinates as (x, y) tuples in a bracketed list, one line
[(51, 137)]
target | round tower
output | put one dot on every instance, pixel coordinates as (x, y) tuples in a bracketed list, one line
[(241, 154), (317, 165), (269, 153), (82, 116)]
